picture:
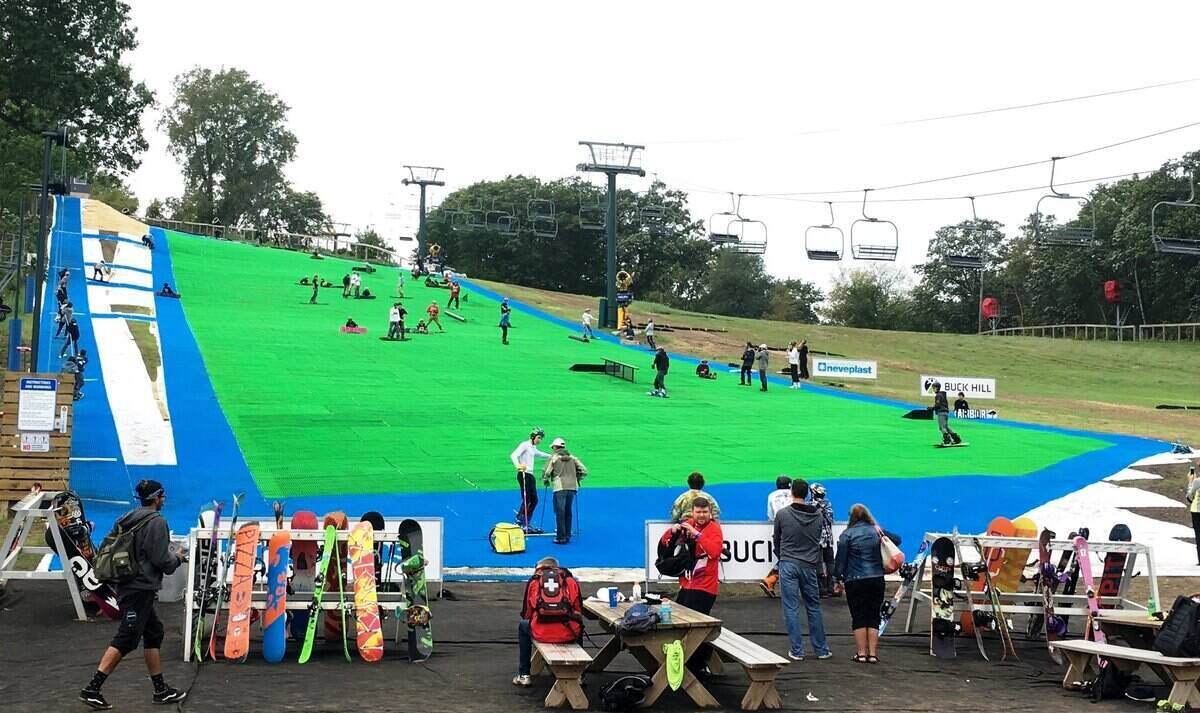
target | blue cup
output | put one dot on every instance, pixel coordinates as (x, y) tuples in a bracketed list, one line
[(612, 597)]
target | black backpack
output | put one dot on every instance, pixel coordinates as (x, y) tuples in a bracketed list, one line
[(676, 556), (1110, 683), (624, 694), (1180, 633)]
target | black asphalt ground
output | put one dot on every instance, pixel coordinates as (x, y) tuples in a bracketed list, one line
[(45, 657)]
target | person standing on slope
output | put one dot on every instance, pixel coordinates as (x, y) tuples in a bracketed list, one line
[(505, 312), (662, 364), (139, 621), (566, 471), (746, 378), (804, 359), (586, 320), (761, 358), (793, 357), (941, 411), (316, 283), (455, 288), (649, 332), (522, 460), (432, 310), (346, 285)]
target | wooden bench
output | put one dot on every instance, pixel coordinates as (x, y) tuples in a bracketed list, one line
[(1181, 673), (567, 662), (761, 665), (620, 370)]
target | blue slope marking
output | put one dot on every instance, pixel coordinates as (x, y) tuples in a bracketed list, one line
[(211, 466)]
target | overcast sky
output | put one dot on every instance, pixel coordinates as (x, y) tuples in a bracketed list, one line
[(744, 97)]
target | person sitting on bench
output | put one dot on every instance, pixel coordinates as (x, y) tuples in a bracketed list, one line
[(704, 371), (421, 328), (166, 291), (147, 241), (351, 324)]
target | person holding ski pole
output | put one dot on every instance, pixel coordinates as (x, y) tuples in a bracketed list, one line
[(151, 547), (522, 459), (565, 471)]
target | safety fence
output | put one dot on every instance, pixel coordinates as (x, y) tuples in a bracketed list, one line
[(1173, 332), (335, 245)]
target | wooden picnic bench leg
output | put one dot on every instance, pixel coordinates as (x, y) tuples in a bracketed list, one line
[(691, 685), (537, 664), (567, 687), (762, 692), (1183, 684), (716, 665), (605, 656), (1079, 664)]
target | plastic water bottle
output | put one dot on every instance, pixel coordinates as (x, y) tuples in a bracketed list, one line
[(637, 591), (1152, 607), (664, 613)]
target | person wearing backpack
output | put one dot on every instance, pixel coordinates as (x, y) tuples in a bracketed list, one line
[(150, 547), (551, 613)]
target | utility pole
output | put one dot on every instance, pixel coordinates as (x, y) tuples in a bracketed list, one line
[(612, 160)]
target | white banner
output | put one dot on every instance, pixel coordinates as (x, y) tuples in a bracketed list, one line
[(972, 388), (843, 369), (747, 555)]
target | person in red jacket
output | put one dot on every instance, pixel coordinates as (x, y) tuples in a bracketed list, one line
[(551, 613), (698, 588)]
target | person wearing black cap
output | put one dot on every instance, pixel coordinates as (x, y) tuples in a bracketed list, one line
[(745, 377), (139, 621), (662, 364), (941, 411)]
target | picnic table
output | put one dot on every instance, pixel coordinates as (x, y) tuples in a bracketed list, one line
[(1133, 626), (690, 627)]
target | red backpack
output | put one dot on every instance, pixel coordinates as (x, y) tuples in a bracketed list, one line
[(554, 606)]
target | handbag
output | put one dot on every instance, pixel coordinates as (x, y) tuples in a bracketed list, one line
[(889, 553)]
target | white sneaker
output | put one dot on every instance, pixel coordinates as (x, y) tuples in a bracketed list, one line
[(519, 680)]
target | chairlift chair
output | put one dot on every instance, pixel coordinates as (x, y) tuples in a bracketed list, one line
[(654, 217), (863, 248), (476, 217), (721, 225), (825, 242), (972, 258), (1072, 236), (593, 215), (1166, 244), (541, 217), (502, 221), (751, 236)]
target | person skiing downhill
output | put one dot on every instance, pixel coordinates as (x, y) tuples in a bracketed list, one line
[(139, 621), (522, 459), (941, 411)]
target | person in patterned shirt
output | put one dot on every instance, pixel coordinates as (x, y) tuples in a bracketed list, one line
[(819, 499)]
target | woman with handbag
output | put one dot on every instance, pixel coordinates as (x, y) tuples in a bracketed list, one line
[(859, 571)]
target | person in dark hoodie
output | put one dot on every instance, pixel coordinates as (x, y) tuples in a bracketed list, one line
[(859, 572), (746, 376), (662, 364), (797, 542), (139, 621), (941, 411)]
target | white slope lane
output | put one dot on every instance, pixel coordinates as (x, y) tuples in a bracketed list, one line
[(143, 429)]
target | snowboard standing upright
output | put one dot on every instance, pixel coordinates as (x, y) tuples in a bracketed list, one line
[(76, 534), (1047, 582), (420, 632), (1114, 564), (304, 569), (223, 575), (1083, 557), (1071, 580), (1008, 579), (327, 552), (274, 621), (909, 572), (366, 601), (237, 630), (941, 622)]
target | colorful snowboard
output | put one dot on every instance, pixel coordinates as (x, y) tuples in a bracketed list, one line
[(237, 633), (1051, 624), (1071, 579), (994, 558), (1114, 564), (274, 621), (1008, 579), (909, 572), (941, 622), (420, 633), (304, 567), (333, 618), (327, 552), (223, 575), (76, 533), (1084, 558), (366, 600)]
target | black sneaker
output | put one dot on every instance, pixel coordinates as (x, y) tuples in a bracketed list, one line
[(95, 699), (169, 695)]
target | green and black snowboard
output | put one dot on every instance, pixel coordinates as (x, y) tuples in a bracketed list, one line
[(412, 564)]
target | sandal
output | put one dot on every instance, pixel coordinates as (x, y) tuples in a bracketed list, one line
[(872, 659), (859, 658)]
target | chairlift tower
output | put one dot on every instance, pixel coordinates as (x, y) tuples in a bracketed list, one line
[(422, 176), (611, 159)]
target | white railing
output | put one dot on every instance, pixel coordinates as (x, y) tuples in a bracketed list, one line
[(1179, 332), (326, 244)]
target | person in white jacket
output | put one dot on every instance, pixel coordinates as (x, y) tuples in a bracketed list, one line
[(522, 460), (780, 498), (793, 354)]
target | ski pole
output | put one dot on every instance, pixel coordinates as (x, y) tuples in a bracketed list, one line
[(578, 527), (542, 519)]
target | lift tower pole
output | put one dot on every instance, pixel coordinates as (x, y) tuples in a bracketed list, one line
[(612, 160), (422, 176)]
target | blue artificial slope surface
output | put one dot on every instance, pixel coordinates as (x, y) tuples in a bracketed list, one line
[(211, 464)]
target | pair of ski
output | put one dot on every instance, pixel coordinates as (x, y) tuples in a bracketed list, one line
[(240, 555)]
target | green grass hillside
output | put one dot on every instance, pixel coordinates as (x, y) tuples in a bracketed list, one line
[(1099, 386)]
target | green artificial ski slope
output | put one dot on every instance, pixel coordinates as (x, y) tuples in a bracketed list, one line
[(318, 412)]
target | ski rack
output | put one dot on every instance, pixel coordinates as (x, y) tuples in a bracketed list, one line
[(26, 512), (394, 602), (1074, 605)]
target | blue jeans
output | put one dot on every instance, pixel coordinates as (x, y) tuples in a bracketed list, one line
[(524, 647), (796, 582), (564, 500)]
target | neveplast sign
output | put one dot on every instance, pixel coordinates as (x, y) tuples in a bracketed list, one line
[(972, 388), (844, 369)]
